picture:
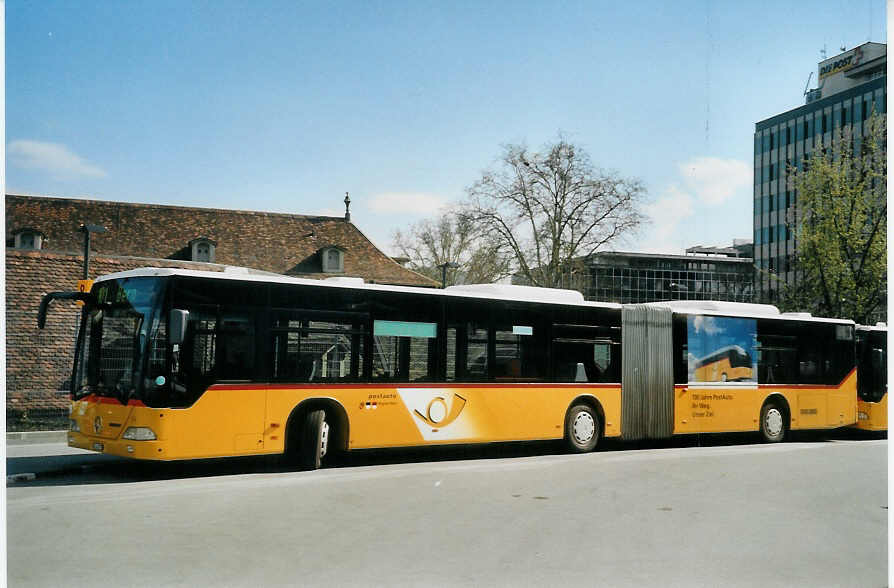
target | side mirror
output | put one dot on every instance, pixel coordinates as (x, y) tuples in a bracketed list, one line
[(87, 297), (177, 326)]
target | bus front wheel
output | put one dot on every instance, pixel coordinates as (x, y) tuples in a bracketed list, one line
[(773, 422), (314, 440), (582, 428)]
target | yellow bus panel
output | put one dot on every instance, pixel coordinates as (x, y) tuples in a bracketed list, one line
[(719, 408), (251, 419), (873, 416)]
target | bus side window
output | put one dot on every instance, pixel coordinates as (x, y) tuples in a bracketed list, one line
[(203, 343), (307, 350), (602, 361), (236, 341), (476, 367), (879, 368), (404, 351), (576, 362), (467, 353), (517, 355), (453, 351)]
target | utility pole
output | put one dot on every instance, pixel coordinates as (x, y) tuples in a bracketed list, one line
[(87, 229)]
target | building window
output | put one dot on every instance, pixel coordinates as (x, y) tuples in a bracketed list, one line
[(333, 259), (203, 252), (202, 249), (28, 239)]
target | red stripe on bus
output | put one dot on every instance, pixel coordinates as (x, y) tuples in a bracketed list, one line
[(285, 386)]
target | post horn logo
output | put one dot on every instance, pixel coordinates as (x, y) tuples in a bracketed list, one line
[(437, 414)]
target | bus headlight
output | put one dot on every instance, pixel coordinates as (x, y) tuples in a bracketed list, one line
[(139, 434), (74, 426), (862, 416)]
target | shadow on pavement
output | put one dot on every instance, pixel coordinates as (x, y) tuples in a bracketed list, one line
[(86, 469)]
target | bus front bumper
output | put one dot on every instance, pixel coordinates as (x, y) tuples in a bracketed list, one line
[(120, 447)]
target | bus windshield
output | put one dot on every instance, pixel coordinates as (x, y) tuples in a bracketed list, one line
[(115, 338)]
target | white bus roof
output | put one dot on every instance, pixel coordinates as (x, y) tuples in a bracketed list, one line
[(483, 291), (741, 309)]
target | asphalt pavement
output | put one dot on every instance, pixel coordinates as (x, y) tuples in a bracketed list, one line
[(710, 511)]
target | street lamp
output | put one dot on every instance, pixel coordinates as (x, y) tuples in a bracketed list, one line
[(87, 229), (444, 266)]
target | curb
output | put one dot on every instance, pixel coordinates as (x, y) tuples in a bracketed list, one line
[(23, 438)]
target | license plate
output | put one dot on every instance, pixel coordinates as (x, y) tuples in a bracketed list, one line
[(98, 447)]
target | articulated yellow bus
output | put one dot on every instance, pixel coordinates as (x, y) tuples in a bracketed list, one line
[(872, 377), (178, 364)]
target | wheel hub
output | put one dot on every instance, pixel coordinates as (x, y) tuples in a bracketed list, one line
[(583, 428), (773, 422)]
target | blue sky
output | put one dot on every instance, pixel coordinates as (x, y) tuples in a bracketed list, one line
[(285, 106)]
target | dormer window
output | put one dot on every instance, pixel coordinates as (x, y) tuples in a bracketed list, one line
[(28, 239), (333, 259), (202, 249)]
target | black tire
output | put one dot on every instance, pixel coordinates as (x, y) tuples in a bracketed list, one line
[(774, 422), (314, 440), (582, 428)]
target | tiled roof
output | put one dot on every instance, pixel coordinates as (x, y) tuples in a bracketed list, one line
[(276, 242)]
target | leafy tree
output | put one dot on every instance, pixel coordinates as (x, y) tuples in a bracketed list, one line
[(452, 239), (548, 209), (842, 227)]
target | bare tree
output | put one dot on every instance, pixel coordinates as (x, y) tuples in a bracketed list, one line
[(551, 208), (454, 240)]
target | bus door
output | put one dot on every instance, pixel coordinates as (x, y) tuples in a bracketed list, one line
[(224, 406)]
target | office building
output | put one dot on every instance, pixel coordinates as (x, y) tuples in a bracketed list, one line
[(850, 87), (704, 273)]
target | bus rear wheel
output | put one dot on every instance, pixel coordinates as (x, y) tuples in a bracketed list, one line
[(582, 428), (773, 422), (314, 441)]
